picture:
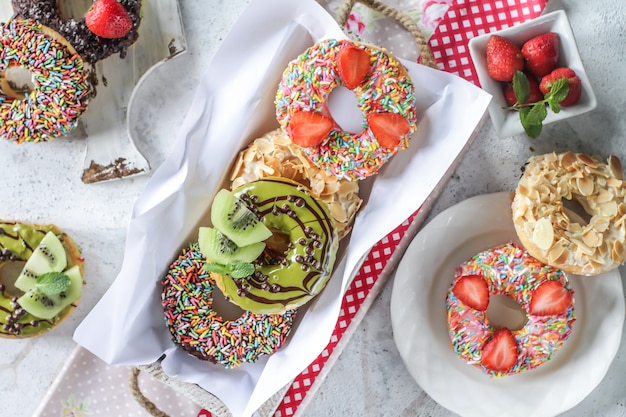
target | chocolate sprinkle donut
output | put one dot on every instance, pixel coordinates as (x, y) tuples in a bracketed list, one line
[(90, 47)]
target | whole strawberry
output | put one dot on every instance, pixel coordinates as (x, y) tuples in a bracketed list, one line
[(503, 58), (575, 88), (108, 19), (541, 53), (534, 93)]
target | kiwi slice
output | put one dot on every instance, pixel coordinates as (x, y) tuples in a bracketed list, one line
[(48, 256), (46, 306), (218, 248), (230, 216)]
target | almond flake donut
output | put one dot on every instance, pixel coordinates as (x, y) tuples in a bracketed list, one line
[(275, 155), (61, 86), (385, 95), (187, 299), (542, 291), (559, 237)]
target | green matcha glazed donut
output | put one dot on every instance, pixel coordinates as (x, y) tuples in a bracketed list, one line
[(299, 256), (24, 310)]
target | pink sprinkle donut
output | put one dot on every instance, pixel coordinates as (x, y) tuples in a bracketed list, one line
[(385, 96), (187, 300), (61, 88), (543, 293)]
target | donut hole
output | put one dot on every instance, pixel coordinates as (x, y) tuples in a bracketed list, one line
[(576, 211), (276, 246), (9, 271), (503, 311), (344, 108), (222, 306), (16, 82)]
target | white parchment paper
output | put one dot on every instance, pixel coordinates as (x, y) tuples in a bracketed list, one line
[(232, 106)]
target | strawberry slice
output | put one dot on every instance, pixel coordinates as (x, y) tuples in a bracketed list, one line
[(550, 298), (388, 128), (500, 352), (308, 129), (473, 291), (353, 65)]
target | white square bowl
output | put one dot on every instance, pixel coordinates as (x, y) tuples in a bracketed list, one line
[(506, 122)]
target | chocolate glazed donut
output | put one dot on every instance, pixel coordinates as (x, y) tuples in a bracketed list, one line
[(90, 47)]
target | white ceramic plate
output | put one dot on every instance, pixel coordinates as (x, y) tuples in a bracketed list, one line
[(418, 315)]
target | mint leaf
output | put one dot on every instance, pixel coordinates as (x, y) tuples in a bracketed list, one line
[(532, 115), (52, 283), (241, 269), (558, 91), (237, 270), (537, 113), (521, 87), (531, 119)]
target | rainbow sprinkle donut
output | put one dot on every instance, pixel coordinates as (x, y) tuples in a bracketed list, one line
[(385, 96), (187, 299), (61, 86), (542, 291)]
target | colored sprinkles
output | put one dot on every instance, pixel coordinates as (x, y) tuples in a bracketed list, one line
[(306, 85), (187, 300), (61, 86), (509, 270)]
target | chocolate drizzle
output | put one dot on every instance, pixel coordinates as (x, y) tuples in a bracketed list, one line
[(17, 242), (307, 263)]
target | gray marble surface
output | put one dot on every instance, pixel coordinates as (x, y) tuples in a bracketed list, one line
[(41, 183)]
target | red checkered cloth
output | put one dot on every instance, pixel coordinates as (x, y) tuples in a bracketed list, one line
[(466, 19)]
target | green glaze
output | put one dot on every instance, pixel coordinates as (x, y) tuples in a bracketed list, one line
[(308, 261), (17, 242)]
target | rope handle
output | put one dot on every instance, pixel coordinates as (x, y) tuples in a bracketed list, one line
[(400, 17), (149, 406)]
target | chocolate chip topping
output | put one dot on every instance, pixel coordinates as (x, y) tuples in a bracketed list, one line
[(89, 46)]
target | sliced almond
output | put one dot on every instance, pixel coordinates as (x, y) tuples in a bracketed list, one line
[(617, 254), (587, 160), (585, 186), (614, 182), (604, 196), (615, 165), (568, 159), (609, 208), (555, 252), (543, 235), (600, 223), (592, 238)]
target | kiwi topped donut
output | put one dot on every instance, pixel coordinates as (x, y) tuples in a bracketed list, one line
[(552, 234), (61, 88), (542, 291), (187, 300), (43, 257), (385, 96), (273, 246), (90, 46), (274, 155)]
